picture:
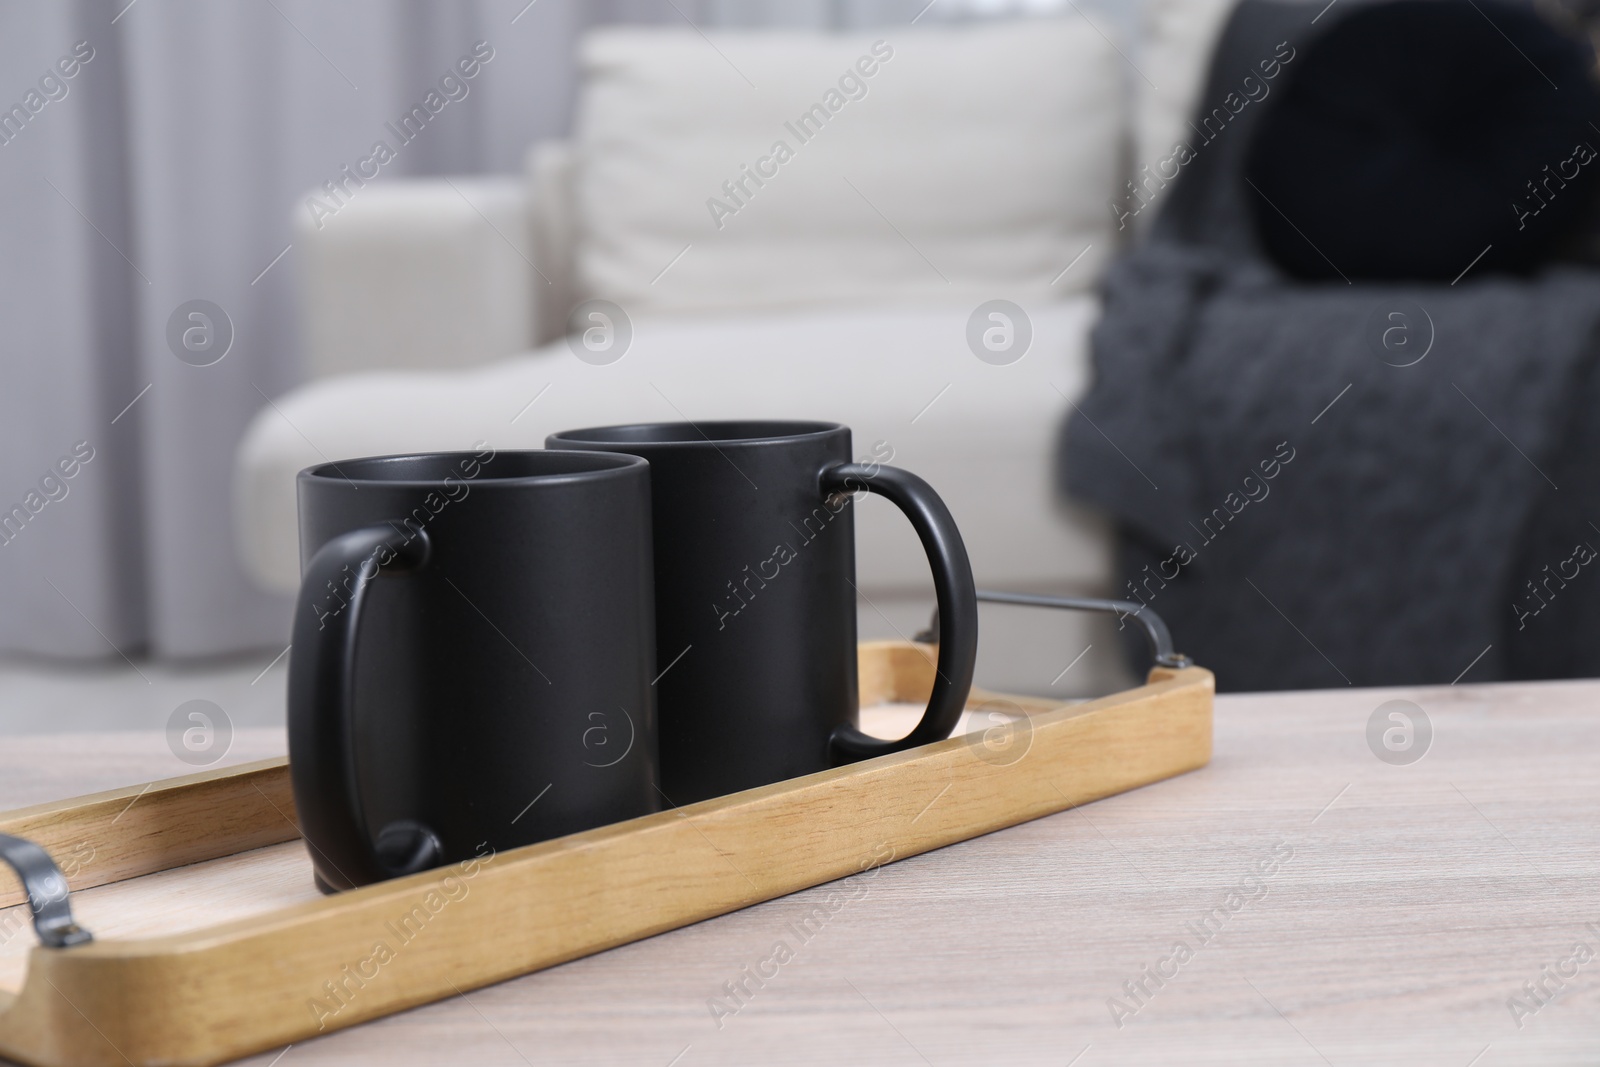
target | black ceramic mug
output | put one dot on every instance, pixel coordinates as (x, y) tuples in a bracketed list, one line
[(756, 598), (473, 648)]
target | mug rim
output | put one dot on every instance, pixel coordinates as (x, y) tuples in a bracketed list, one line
[(593, 465), (784, 431)]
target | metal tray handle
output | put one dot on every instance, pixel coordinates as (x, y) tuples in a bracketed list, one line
[(1155, 631), (47, 892)]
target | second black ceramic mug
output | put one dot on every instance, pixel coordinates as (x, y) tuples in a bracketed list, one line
[(473, 649), (756, 598)]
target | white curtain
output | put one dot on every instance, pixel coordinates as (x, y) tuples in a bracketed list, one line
[(163, 171)]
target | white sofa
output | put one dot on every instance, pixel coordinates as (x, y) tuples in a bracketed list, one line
[(936, 169)]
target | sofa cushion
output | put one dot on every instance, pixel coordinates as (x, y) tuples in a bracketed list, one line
[(1416, 138), (1177, 38), (982, 435), (762, 169)]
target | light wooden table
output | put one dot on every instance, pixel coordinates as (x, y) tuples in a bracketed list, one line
[(1408, 904)]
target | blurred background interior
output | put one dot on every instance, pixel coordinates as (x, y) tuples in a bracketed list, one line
[(1277, 317)]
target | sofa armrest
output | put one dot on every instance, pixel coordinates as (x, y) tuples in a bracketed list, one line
[(417, 274), (553, 228)]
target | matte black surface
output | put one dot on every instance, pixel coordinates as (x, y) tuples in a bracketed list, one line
[(756, 598), (473, 648)]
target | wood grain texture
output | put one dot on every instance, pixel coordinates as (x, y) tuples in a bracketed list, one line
[(135, 830), (205, 995), (188, 898), (1418, 900)]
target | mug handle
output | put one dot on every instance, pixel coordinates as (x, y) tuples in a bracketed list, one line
[(957, 598), (322, 765)]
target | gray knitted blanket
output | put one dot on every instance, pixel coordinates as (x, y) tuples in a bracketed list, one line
[(1332, 484)]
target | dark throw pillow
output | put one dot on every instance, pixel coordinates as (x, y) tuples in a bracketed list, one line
[(1414, 134)]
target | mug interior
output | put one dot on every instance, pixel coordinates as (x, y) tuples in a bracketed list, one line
[(667, 433), (434, 467)]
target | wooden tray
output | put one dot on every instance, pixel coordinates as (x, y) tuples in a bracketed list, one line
[(205, 996)]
